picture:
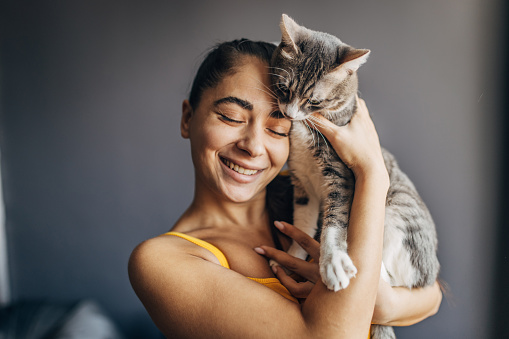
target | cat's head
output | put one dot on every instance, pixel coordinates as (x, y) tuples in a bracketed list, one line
[(314, 71)]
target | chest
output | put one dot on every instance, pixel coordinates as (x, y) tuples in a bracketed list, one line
[(310, 155), (237, 247)]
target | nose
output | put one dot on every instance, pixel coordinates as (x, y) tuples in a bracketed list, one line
[(252, 141), (291, 110)]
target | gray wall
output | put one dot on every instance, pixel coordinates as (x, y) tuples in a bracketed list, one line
[(93, 163)]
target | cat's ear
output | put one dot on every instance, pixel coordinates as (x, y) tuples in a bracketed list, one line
[(290, 32), (187, 113), (353, 59), (349, 62)]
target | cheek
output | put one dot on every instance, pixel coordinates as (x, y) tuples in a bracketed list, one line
[(280, 152), (213, 136)]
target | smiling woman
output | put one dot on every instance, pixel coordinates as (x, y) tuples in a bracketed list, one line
[(237, 128), (209, 276)]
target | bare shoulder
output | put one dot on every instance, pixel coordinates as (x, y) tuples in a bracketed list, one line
[(165, 249), (164, 258), (187, 294)]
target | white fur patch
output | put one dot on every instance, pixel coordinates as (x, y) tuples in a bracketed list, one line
[(336, 267), (395, 256)]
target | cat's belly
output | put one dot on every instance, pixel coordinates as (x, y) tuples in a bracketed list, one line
[(302, 162)]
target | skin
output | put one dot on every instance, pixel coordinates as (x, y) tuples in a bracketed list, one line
[(186, 292)]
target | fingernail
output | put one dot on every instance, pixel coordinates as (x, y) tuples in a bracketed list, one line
[(259, 250), (274, 269), (279, 225)]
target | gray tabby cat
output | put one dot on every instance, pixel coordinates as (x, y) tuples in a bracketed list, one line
[(316, 72)]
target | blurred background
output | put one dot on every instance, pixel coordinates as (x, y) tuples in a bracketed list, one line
[(92, 161)]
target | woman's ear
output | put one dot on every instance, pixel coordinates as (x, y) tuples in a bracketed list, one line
[(187, 113)]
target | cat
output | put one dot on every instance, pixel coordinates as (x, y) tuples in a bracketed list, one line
[(316, 72)]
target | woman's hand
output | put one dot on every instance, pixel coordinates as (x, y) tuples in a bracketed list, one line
[(356, 143), (307, 270)]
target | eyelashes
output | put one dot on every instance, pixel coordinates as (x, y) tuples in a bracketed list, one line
[(226, 118), (278, 133), (230, 120)]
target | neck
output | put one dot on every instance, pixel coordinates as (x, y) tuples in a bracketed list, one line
[(207, 211)]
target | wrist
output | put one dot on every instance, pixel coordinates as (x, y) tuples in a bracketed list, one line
[(373, 176)]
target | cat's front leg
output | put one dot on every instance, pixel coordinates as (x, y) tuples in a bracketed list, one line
[(336, 267)]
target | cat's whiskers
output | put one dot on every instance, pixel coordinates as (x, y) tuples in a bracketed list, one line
[(312, 133), (313, 121), (281, 69), (278, 75), (313, 130), (269, 92)]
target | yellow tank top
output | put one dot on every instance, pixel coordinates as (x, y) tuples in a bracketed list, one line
[(272, 283)]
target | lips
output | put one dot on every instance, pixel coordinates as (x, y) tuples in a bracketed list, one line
[(239, 169)]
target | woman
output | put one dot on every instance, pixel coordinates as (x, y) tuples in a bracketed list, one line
[(239, 143)]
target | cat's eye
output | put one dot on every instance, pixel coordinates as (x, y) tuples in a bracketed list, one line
[(314, 102)]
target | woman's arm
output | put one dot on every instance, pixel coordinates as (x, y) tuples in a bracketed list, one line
[(400, 306), (189, 295)]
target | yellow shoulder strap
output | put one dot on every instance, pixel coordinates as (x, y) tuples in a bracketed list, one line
[(208, 246)]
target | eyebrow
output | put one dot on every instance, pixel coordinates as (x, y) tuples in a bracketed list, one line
[(234, 100)]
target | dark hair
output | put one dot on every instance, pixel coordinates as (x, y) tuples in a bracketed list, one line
[(222, 60)]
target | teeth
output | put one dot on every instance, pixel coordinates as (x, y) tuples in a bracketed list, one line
[(239, 169)]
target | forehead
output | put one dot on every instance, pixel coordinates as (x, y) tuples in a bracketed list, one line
[(250, 81)]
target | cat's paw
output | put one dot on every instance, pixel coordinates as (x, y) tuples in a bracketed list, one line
[(336, 269), (273, 264)]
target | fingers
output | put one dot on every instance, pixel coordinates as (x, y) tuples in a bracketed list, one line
[(310, 245), (297, 289), (307, 270)]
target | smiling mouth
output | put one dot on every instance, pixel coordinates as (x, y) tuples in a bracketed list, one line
[(239, 169)]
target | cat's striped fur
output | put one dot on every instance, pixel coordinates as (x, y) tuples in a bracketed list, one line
[(316, 72)]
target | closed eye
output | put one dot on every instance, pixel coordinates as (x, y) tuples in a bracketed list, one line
[(278, 133), (225, 118)]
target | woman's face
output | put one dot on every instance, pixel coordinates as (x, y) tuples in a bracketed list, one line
[(239, 140)]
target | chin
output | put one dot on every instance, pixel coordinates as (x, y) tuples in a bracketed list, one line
[(241, 195)]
